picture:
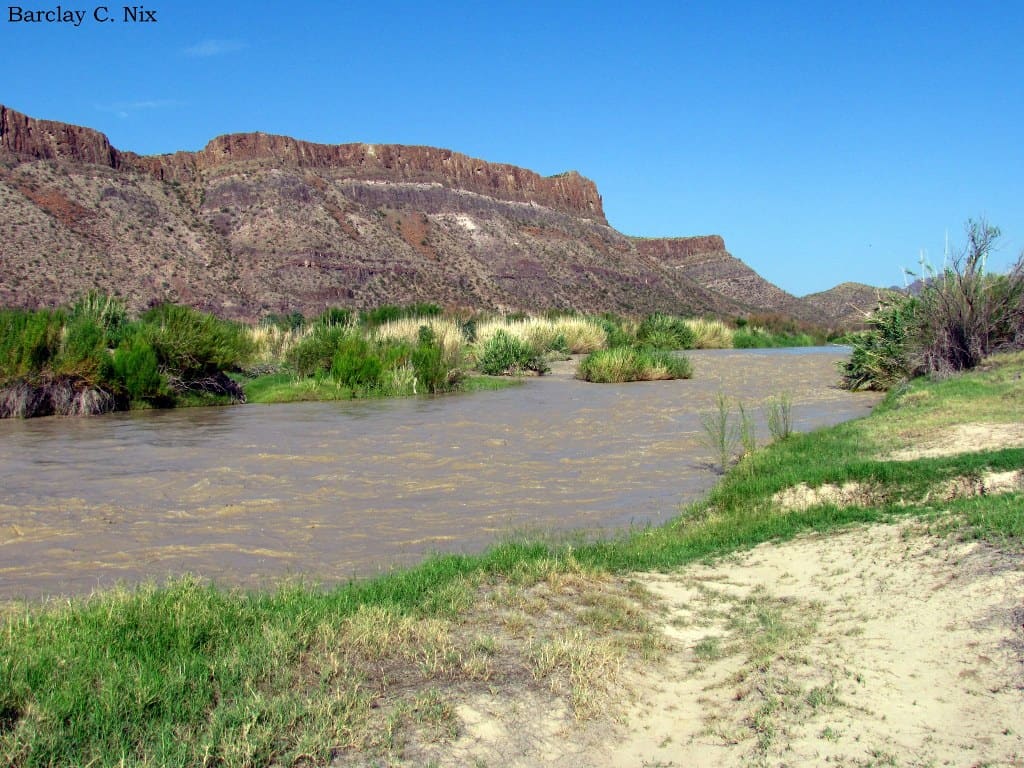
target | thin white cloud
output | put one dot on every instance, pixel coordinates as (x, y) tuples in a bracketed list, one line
[(213, 48), (126, 108)]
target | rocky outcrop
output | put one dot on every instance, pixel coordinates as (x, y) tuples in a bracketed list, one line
[(568, 192), (705, 261), (48, 140)]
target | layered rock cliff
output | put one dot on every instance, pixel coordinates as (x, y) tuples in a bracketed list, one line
[(255, 223)]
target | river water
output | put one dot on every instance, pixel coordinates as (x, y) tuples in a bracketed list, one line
[(246, 495)]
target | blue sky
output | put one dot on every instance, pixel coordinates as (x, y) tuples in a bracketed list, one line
[(825, 141)]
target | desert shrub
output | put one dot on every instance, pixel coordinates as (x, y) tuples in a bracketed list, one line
[(503, 354), (191, 345), (960, 315), (109, 312), (566, 335), (665, 332), (632, 364), (722, 433), (779, 415), (755, 337), (292, 321), (446, 333)]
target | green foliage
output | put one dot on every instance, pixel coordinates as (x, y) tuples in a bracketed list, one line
[(290, 322), (389, 312), (136, 368), (335, 316), (83, 351), (722, 434), (109, 312), (879, 358), (504, 355), (355, 365), (190, 344), (960, 316), (315, 353), (620, 364), (752, 337), (665, 332), (29, 342), (780, 417), (428, 362), (615, 331), (966, 313)]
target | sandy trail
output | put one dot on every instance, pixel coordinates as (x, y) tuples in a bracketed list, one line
[(879, 646)]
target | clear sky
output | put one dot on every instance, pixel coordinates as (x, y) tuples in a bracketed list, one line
[(825, 141)]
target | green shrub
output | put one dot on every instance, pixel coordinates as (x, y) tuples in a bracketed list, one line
[(109, 312), (190, 345), (29, 342), (83, 351), (136, 369), (879, 357), (632, 364), (428, 362), (504, 354), (665, 332), (615, 332), (355, 365), (315, 352)]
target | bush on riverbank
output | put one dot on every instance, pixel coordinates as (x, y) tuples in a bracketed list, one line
[(91, 359), (959, 317)]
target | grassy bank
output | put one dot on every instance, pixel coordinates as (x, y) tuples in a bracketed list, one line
[(190, 674)]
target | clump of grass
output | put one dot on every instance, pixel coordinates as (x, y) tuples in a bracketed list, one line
[(709, 333), (572, 335), (632, 364), (779, 416), (659, 331), (446, 332), (503, 354), (722, 434), (754, 337)]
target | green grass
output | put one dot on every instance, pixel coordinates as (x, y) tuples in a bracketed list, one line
[(286, 388), (189, 674), (622, 364)]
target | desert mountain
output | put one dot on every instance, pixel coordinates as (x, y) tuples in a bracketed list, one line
[(254, 224)]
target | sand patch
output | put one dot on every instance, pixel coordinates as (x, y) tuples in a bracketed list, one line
[(802, 496), (878, 646), (964, 438)]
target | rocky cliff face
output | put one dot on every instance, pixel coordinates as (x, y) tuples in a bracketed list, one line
[(254, 224)]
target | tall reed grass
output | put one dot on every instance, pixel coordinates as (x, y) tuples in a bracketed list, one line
[(710, 334), (574, 335)]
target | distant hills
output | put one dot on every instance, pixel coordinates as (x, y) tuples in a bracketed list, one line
[(256, 224)]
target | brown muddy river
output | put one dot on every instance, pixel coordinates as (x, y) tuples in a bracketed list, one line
[(328, 491)]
